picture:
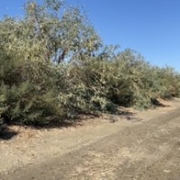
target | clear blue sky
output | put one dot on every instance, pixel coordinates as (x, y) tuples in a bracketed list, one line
[(152, 27)]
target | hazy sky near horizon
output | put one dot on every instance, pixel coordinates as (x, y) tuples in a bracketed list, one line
[(151, 27)]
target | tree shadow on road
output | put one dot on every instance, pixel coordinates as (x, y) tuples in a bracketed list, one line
[(157, 103), (6, 133)]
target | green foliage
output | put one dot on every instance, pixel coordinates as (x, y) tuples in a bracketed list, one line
[(26, 98), (54, 67)]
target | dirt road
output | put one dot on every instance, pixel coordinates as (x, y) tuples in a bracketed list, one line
[(144, 150)]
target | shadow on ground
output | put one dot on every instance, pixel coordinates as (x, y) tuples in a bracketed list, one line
[(6, 133), (157, 103)]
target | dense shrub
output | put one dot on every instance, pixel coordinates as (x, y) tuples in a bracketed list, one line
[(53, 68)]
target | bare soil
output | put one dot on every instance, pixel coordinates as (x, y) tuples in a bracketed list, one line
[(132, 146)]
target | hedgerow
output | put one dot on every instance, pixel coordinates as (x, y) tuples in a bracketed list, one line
[(55, 67)]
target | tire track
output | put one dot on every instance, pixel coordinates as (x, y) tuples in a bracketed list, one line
[(127, 154)]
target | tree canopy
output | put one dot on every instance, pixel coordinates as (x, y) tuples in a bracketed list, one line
[(54, 67)]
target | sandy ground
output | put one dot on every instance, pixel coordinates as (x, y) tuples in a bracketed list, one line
[(134, 146)]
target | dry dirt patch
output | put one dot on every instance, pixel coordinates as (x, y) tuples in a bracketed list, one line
[(32, 146)]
